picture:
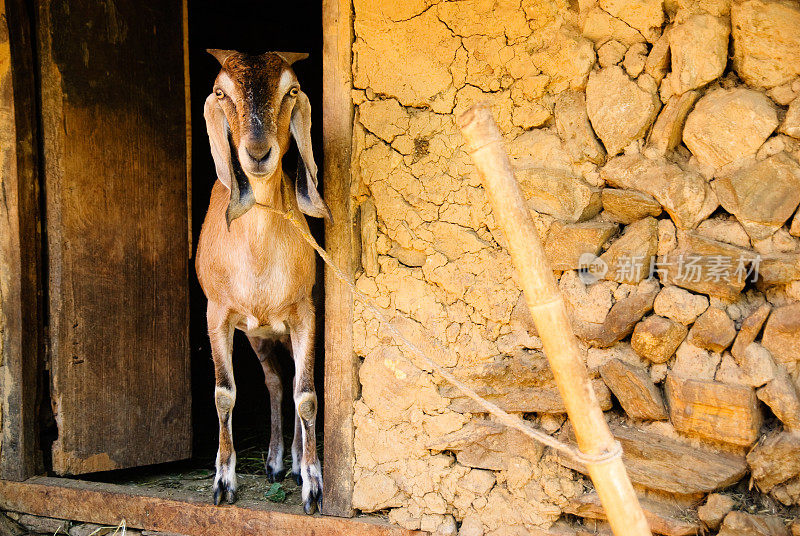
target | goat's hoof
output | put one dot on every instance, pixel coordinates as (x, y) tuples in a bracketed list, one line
[(313, 502), (297, 478), (223, 490), (312, 487), (275, 475)]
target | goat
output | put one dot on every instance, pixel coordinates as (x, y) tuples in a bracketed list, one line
[(253, 265)]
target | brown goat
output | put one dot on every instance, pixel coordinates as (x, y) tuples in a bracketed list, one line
[(255, 268)]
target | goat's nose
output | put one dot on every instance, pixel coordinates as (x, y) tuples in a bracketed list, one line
[(259, 151)]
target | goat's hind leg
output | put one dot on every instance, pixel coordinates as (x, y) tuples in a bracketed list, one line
[(265, 350), (220, 332), (305, 402)]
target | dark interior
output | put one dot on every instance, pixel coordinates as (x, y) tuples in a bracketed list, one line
[(251, 27)]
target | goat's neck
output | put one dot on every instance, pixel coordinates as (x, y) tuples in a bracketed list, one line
[(268, 192), (264, 223)]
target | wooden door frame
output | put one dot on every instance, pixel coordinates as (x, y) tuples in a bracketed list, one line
[(21, 340), (341, 364), (22, 346)]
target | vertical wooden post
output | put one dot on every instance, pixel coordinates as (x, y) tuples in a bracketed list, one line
[(341, 384), (550, 316), (188, 98), (20, 248)]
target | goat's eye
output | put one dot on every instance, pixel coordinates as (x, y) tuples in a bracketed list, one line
[(294, 91), (219, 93)]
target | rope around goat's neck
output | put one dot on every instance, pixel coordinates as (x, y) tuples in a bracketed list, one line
[(502, 416)]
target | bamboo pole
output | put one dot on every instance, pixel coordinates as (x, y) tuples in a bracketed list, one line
[(601, 452)]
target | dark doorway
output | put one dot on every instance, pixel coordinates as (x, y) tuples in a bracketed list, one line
[(252, 27)]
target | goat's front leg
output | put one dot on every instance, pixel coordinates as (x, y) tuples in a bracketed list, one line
[(305, 402), (220, 331)]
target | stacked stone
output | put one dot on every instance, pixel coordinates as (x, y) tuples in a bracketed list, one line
[(664, 182)]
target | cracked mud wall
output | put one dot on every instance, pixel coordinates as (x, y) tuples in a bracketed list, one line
[(431, 251), (618, 117)]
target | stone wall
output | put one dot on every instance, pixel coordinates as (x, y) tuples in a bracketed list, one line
[(657, 146)]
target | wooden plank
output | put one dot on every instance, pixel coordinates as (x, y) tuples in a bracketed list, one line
[(171, 512), (341, 383), (663, 463), (114, 131), (20, 247), (662, 516)]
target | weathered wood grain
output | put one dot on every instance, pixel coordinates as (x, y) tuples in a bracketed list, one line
[(663, 518), (174, 512), (20, 248), (341, 383), (521, 399), (114, 131), (714, 410), (666, 464)]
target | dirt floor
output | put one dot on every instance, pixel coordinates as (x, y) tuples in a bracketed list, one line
[(197, 475)]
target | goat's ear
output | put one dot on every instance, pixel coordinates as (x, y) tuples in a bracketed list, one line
[(291, 57), (229, 172), (221, 55), (308, 199), (217, 127)]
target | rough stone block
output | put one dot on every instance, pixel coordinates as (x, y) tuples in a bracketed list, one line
[(751, 327), (729, 124), (762, 211), (628, 206), (695, 363), (713, 330), (743, 524), (567, 242), (791, 123), (780, 394), (558, 194), (775, 459), (757, 365), (629, 257), (782, 333), (572, 123), (766, 43), (727, 413), (668, 128), (685, 195), (714, 510), (621, 319), (699, 51), (619, 110), (679, 305), (657, 338), (635, 391)]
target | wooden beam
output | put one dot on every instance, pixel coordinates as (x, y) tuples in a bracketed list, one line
[(174, 512), (20, 247), (341, 385)]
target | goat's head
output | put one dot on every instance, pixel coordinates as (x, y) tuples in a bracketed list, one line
[(255, 105)]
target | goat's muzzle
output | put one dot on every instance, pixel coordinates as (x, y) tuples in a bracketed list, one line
[(259, 157)]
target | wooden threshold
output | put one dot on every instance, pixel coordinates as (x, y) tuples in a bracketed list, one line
[(173, 511)]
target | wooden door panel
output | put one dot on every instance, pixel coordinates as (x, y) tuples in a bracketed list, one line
[(113, 111)]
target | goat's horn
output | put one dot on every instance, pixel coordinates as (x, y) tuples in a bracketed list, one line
[(220, 54), (291, 57)]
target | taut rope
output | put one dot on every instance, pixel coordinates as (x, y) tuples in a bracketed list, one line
[(502, 416)]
